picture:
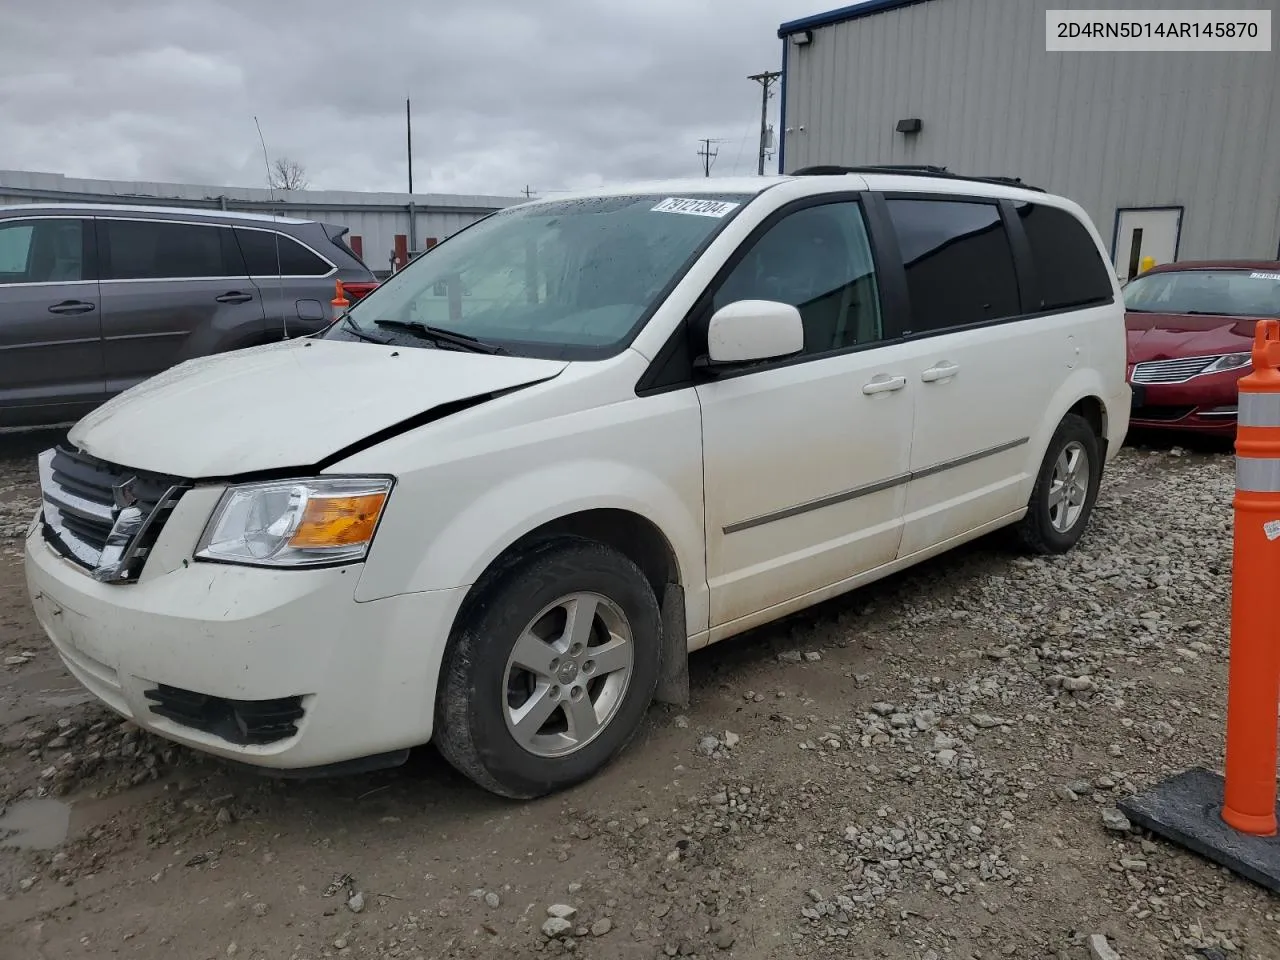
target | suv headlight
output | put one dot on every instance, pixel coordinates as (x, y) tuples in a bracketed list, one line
[(1230, 361), (295, 523)]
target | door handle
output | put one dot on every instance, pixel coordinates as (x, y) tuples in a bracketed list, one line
[(883, 384), (943, 371), (235, 296), (72, 306)]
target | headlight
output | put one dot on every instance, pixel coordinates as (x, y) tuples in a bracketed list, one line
[(1230, 361), (295, 523)]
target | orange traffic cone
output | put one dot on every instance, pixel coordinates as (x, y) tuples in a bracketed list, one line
[(1232, 819), (1253, 691), (339, 303)]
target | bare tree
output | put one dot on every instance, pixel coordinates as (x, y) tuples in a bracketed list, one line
[(288, 174)]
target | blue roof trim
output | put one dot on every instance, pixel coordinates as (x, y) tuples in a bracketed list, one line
[(843, 14)]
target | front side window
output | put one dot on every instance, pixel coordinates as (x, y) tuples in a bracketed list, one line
[(1070, 272), (156, 250), (42, 251), (1220, 293), (569, 278), (958, 260), (817, 259)]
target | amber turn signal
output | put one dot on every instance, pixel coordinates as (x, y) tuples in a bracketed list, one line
[(338, 521)]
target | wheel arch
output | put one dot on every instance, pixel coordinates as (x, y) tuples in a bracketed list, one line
[(1081, 393), (634, 536), (638, 539)]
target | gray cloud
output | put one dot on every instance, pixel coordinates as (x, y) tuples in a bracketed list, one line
[(558, 94)]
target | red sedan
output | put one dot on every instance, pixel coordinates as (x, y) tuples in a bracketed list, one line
[(1190, 332)]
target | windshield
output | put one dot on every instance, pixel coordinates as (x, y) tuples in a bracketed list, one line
[(567, 279), (1230, 293)]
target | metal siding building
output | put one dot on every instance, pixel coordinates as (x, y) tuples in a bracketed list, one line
[(1192, 139), (375, 218)]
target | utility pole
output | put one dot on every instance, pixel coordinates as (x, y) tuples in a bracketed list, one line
[(766, 80), (408, 136), (528, 193), (708, 155)]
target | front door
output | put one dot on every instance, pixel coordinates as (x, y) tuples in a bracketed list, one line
[(50, 336), (171, 291), (1144, 235), (805, 460)]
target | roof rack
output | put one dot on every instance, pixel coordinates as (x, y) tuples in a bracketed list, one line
[(910, 170)]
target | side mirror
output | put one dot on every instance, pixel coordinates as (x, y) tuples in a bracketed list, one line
[(751, 330)]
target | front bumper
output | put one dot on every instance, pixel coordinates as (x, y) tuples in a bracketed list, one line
[(363, 673), (1201, 405)]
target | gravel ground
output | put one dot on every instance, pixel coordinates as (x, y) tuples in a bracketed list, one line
[(925, 769)]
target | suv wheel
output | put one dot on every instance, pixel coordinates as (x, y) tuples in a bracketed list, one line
[(1066, 489), (550, 672)]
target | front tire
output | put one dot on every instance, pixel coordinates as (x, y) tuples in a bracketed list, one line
[(550, 670), (1065, 491)]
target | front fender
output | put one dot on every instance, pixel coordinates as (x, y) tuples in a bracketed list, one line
[(459, 550)]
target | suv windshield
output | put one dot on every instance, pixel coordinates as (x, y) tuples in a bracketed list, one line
[(1229, 293), (570, 279)]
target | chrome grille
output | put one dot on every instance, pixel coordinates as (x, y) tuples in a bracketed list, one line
[(1171, 371), (101, 516)]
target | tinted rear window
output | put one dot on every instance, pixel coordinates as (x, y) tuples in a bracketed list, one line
[(154, 250), (958, 260), (295, 260), (1069, 270)]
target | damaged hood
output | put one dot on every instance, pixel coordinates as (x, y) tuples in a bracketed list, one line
[(290, 404)]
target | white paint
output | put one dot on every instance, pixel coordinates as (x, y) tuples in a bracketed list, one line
[(364, 642), (319, 395), (754, 330), (700, 207)]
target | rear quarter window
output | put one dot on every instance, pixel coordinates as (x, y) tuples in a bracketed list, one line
[(1070, 272), (291, 259)]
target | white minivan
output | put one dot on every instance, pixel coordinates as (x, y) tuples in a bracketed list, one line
[(496, 504)]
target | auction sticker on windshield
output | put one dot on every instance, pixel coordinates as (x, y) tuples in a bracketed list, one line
[(1258, 275), (697, 208)]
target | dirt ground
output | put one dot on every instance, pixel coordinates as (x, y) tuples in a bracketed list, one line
[(917, 771)]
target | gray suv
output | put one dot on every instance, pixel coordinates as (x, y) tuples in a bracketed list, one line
[(96, 298)]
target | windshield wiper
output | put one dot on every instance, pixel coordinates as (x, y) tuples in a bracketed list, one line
[(349, 324), (439, 335)]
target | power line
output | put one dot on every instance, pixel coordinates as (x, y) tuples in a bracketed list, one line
[(707, 154), (766, 80)]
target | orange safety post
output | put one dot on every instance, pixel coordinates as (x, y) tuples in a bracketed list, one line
[(340, 303), (1253, 695)]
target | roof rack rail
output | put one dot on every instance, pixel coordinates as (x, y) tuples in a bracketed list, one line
[(910, 170)]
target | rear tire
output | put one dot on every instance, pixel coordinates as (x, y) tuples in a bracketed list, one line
[(550, 670), (1065, 491)]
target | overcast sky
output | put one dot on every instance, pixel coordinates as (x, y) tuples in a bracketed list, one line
[(553, 94)]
